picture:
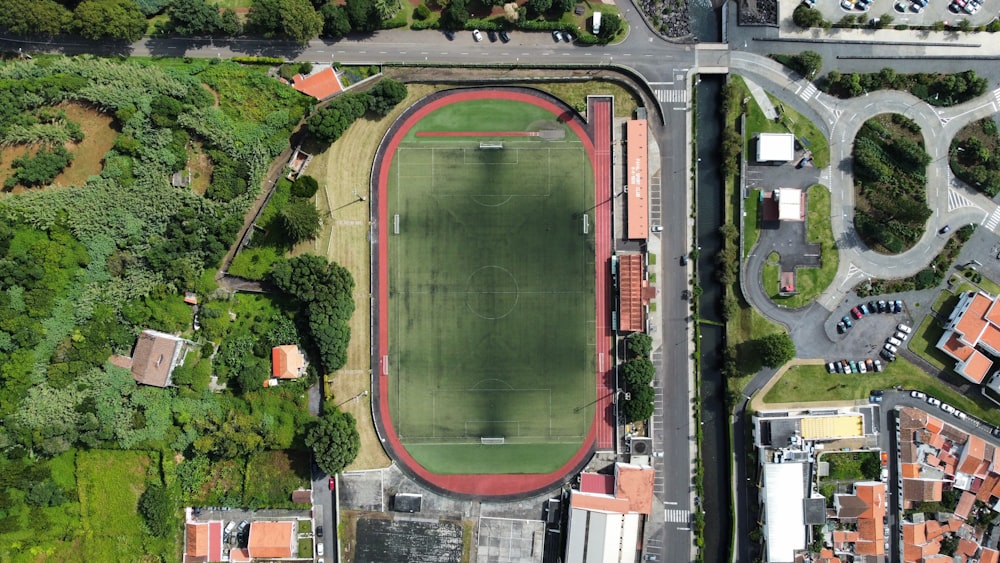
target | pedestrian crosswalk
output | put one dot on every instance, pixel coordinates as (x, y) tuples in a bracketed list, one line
[(671, 96), (993, 220), (996, 95), (677, 515), (957, 200), (808, 92)]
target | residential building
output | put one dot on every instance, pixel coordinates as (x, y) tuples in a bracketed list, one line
[(971, 333), (287, 362), (272, 540), (607, 514), (155, 356)]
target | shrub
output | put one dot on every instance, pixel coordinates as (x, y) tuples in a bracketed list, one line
[(304, 187), (422, 12), (41, 169)]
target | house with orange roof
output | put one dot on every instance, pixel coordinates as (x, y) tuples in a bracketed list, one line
[(287, 362), (967, 547), (866, 509), (202, 541), (988, 555), (272, 540), (972, 332), (965, 504), (606, 527), (972, 455), (320, 84)]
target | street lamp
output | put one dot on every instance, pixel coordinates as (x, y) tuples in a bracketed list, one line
[(358, 396), (359, 196)]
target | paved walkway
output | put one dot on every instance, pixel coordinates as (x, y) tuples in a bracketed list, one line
[(762, 100)]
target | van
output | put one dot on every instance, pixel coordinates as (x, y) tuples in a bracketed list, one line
[(319, 549), (597, 23), (229, 527)]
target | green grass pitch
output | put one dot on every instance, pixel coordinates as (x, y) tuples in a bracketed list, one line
[(491, 292)]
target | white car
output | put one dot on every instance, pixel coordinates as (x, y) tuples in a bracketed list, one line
[(861, 367), (903, 328), (960, 415), (878, 365), (890, 348), (947, 408), (476, 35), (319, 548), (917, 395), (933, 402), (900, 335), (893, 341)]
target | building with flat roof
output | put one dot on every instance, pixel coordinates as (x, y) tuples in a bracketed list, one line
[(603, 527), (775, 147), (972, 332), (637, 180), (784, 492)]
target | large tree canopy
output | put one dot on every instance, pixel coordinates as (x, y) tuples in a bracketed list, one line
[(336, 24), (300, 220), (385, 95), (640, 404), (29, 17), (295, 19), (775, 349), (334, 441), (363, 15), (109, 19)]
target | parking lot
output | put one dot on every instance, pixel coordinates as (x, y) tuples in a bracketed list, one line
[(909, 12), (867, 335)]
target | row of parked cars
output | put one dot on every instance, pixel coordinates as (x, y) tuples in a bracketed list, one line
[(478, 35), (880, 306), (893, 343), (851, 366), (968, 6)]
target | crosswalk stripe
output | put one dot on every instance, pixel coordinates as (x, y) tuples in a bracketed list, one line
[(808, 92), (994, 219), (677, 516), (671, 96), (957, 200), (996, 95)]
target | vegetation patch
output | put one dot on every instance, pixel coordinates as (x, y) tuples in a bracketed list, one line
[(890, 175), (811, 282), (272, 476), (974, 156), (937, 89), (853, 466)]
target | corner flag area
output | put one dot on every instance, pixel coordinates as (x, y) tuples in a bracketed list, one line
[(492, 351)]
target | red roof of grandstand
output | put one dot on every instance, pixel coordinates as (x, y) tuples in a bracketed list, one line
[(630, 282), (597, 483), (637, 180), (320, 85)]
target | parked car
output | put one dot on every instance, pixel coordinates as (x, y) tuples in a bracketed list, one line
[(903, 328), (960, 415), (873, 307), (864, 309), (656, 228), (945, 228), (319, 548), (556, 35), (875, 399), (841, 327), (449, 34), (862, 368), (918, 395), (878, 365), (897, 306), (243, 526), (902, 336), (854, 367), (847, 321), (870, 364), (881, 306), (504, 37), (830, 368), (856, 313), (845, 4), (568, 37), (333, 483), (684, 260), (319, 531), (492, 35), (995, 432), (893, 341), (846, 366), (933, 402), (890, 348), (947, 408), (476, 35)]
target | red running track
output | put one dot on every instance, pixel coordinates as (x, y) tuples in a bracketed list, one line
[(476, 134), (475, 484), (600, 117)]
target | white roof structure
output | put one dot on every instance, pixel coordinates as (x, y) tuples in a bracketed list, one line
[(789, 204), (775, 147), (784, 521), (602, 537)]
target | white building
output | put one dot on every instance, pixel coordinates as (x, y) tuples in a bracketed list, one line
[(775, 147)]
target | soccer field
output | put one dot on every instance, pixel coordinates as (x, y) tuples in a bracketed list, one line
[(491, 289)]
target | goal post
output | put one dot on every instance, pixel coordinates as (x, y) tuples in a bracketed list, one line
[(491, 145), (495, 441)]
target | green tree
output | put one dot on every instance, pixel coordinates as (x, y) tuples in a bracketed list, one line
[(639, 406), (454, 15), (386, 95), (774, 350), (300, 220), (611, 24), (304, 187), (194, 17), (540, 6), (363, 15), (30, 17), (809, 63), (295, 19), (336, 24), (639, 344), (421, 12), (109, 19), (638, 372), (331, 121), (157, 510), (334, 441), (40, 169), (804, 16), (871, 467)]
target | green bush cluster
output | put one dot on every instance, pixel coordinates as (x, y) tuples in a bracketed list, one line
[(40, 169), (975, 160), (935, 89), (331, 121), (638, 372)]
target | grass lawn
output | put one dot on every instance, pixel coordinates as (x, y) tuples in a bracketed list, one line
[(109, 485), (846, 466), (305, 548), (804, 384), (771, 277), (575, 94), (811, 282), (471, 322), (924, 344), (751, 223), (238, 5), (583, 21)]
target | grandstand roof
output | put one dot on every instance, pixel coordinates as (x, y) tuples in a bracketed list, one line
[(632, 317), (637, 180)]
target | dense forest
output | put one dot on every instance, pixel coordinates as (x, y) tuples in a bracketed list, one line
[(84, 269)]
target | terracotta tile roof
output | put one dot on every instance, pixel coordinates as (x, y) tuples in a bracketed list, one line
[(604, 503), (287, 362), (983, 470), (934, 424), (989, 556), (932, 460), (935, 529), (937, 442), (631, 280), (911, 470), (911, 419), (991, 337), (922, 490), (907, 451), (915, 534), (972, 455), (967, 547), (964, 505), (911, 553), (996, 460), (973, 320), (271, 539), (845, 536), (196, 544), (320, 85), (635, 483), (932, 548), (954, 524), (240, 555), (948, 459), (123, 362), (956, 349), (154, 356), (996, 490), (977, 367)]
